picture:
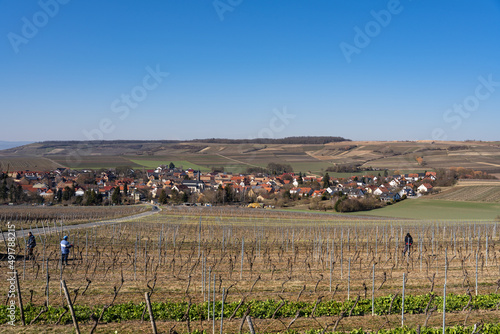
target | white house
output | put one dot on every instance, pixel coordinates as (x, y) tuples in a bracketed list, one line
[(380, 190), (394, 183), (425, 187)]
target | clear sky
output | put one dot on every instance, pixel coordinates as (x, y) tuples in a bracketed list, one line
[(364, 70)]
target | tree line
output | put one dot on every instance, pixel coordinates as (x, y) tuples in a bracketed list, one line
[(317, 140)]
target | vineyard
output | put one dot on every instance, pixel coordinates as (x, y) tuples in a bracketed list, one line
[(490, 194), (229, 270), (27, 163), (26, 217)]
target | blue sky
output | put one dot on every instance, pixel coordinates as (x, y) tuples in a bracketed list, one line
[(364, 70)]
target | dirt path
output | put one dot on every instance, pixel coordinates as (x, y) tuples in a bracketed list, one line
[(238, 161)]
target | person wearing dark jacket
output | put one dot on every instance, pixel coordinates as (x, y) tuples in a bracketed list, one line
[(408, 243), (30, 244)]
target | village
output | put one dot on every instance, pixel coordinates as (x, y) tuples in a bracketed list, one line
[(172, 185)]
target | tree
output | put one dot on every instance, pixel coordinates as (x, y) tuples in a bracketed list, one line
[(16, 193), (163, 198), (90, 197), (176, 197), (125, 189), (68, 193), (59, 195), (124, 170), (116, 198), (20, 194), (326, 180), (315, 185), (256, 170), (38, 199), (217, 169), (171, 165), (220, 196), (4, 191), (228, 193), (85, 178), (337, 204), (277, 169), (99, 198)]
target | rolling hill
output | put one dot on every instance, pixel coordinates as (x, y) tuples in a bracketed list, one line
[(305, 154)]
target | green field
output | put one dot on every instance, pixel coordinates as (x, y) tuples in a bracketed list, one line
[(436, 209), (178, 163), (313, 166)]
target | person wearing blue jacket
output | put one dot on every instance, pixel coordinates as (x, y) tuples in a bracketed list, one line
[(65, 246)]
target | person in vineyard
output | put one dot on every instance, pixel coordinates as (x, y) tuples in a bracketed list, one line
[(408, 243), (30, 244), (65, 246)]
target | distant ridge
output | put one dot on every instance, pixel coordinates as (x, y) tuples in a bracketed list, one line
[(286, 140), (151, 147), (312, 154), (4, 145)]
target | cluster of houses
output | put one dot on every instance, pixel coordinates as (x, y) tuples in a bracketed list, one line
[(252, 187), (391, 188)]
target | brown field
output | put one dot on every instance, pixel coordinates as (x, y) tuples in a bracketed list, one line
[(28, 163), (94, 161), (393, 155), (294, 256), (472, 190), (471, 193), (31, 217)]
